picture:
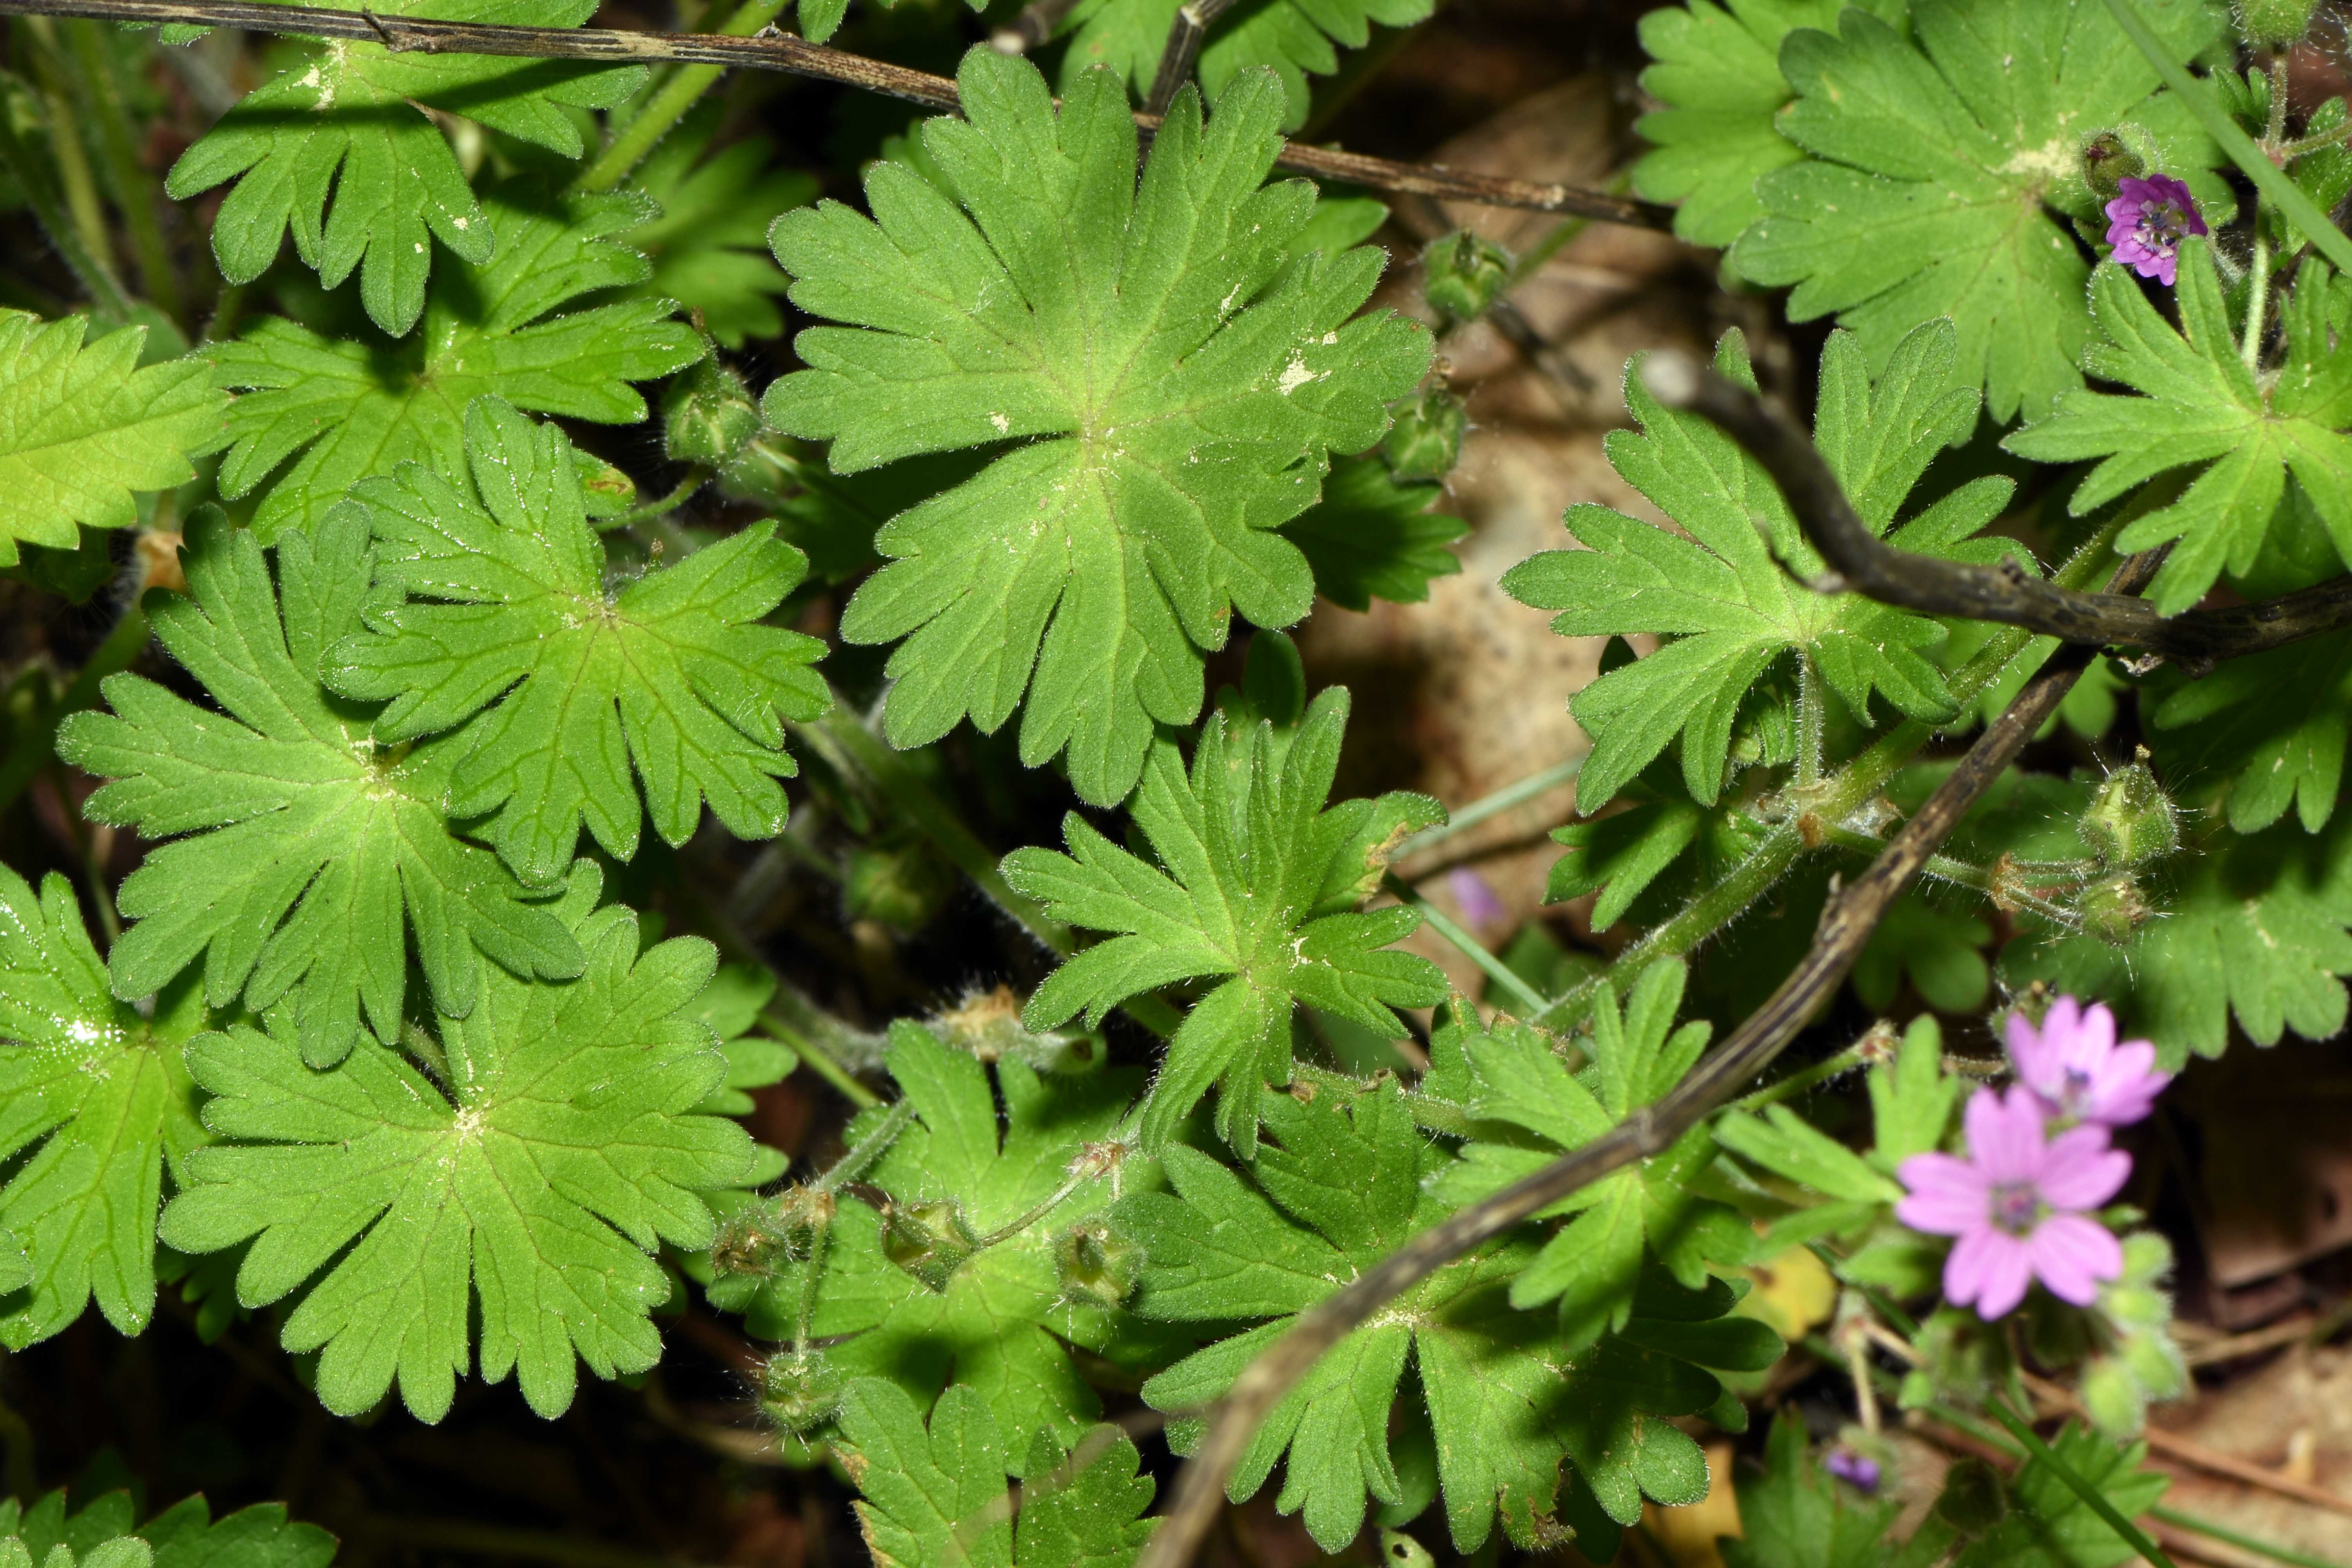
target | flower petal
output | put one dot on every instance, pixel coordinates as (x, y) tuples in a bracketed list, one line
[(2005, 1134), (2029, 1048), (2072, 1253), (2080, 1171), (1991, 1270), (1949, 1196)]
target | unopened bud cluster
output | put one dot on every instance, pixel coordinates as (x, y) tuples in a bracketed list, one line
[(800, 1391), (2129, 824), (2276, 23), (1462, 275), (1425, 441), (759, 1240), (930, 1239), (1096, 1265), (710, 416)]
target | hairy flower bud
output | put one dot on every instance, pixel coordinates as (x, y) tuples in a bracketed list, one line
[(761, 1238), (709, 416), (800, 1391), (2112, 908), (930, 1239), (1096, 1267), (2108, 163), (2277, 23), (2131, 820), (1425, 442), (1463, 274)]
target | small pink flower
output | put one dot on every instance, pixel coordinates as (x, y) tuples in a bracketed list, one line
[(2147, 222), (2016, 1205), (2081, 1074)]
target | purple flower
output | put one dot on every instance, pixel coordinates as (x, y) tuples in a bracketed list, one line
[(1856, 1470), (2073, 1063), (2016, 1205), (2147, 222)]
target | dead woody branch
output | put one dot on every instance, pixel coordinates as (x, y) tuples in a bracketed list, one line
[(798, 57), (1861, 563), (1845, 927)]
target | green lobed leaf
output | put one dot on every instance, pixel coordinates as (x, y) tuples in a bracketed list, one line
[(2271, 729), (1717, 70), (1720, 597), (1171, 375), (523, 1193), (84, 426), (1291, 39), (1000, 1328), (1256, 881), (95, 1095), (2199, 402), (554, 688), (1373, 536), (102, 1535), (297, 841), (349, 122), (934, 1496), (1941, 168), (349, 407)]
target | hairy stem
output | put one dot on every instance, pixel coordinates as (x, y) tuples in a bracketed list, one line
[(798, 57), (1487, 806), (33, 179), (2092, 1497), (72, 158), (35, 746), (670, 102), (2258, 302), (821, 1062), (1476, 951), (134, 189)]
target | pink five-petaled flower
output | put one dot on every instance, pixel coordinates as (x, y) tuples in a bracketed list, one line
[(2081, 1074), (2147, 222), (2016, 1205)]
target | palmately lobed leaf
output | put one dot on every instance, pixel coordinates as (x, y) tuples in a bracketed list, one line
[(560, 696), (347, 408), (97, 1094), (298, 844), (1942, 165), (934, 1491), (1255, 881), (349, 122), (83, 426), (1717, 72), (1727, 609), (520, 1178), (2193, 400), (1171, 376), (104, 1533)]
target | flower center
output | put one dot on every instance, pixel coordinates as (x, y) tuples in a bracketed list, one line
[(2075, 1092), (2016, 1207), (2162, 226)]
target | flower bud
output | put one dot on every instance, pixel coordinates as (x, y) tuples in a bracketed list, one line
[(1096, 1265), (2131, 820), (1461, 274), (709, 416), (930, 1239), (799, 1391), (2108, 163), (761, 1238), (2277, 23), (2111, 908), (1425, 442)]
